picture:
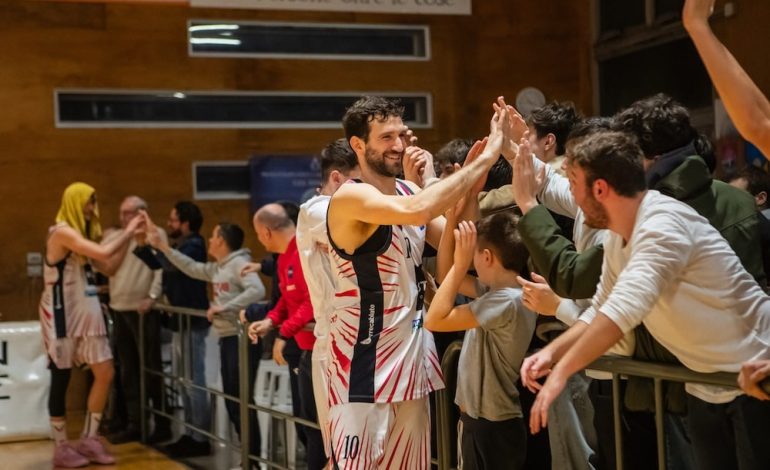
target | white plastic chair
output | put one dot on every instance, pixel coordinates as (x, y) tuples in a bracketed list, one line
[(273, 390)]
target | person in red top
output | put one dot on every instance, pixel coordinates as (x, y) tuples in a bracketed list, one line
[(276, 232)]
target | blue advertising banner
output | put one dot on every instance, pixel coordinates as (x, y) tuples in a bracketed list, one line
[(282, 178)]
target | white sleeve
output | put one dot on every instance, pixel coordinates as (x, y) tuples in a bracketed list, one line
[(568, 311), (660, 249), (555, 193)]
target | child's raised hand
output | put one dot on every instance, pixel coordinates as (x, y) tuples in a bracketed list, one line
[(465, 244)]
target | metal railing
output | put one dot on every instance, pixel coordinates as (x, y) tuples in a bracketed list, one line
[(184, 381), (446, 426), (621, 366), (617, 366), (446, 429)]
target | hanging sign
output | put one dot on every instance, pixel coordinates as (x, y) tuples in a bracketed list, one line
[(409, 7)]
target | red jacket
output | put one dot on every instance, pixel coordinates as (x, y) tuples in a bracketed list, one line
[(293, 310)]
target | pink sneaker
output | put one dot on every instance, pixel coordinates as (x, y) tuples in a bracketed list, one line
[(65, 456), (93, 449)]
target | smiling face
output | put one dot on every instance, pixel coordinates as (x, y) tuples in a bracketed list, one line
[(384, 149)]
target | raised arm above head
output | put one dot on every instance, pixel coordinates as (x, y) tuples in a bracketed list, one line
[(357, 209), (747, 106)]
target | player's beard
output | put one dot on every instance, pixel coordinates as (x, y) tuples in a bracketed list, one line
[(595, 214), (382, 165)]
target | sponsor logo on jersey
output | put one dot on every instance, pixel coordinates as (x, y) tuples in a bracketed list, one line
[(368, 340)]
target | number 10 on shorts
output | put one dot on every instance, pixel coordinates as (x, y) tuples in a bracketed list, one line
[(350, 447)]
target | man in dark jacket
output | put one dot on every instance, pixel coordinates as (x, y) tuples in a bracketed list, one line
[(184, 223)]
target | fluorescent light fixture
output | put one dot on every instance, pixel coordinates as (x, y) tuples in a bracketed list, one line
[(179, 95), (213, 27), (226, 42)]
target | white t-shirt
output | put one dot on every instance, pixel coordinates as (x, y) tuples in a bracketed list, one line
[(680, 277)]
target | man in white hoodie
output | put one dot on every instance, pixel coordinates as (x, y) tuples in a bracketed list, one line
[(232, 292)]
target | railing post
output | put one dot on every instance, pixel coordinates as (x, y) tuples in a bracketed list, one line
[(442, 430), (444, 405), (286, 425), (659, 428), (243, 382), (617, 421), (186, 350), (142, 382)]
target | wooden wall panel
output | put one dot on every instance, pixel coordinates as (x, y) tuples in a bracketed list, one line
[(747, 34), (504, 46)]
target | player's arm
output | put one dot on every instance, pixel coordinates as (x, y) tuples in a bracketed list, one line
[(101, 255), (364, 203), (110, 266), (748, 107)]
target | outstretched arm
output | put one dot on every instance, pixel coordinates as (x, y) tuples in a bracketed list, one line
[(355, 210), (106, 256), (110, 266), (747, 106), (599, 336), (366, 204)]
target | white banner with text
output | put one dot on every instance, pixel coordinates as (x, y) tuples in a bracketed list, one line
[(24, 383), (409, 7)]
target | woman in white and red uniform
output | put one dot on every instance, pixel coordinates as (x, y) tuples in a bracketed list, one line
[(73, 327)]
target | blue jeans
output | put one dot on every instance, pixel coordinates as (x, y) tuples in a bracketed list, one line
[(571, 429), (196, 401)]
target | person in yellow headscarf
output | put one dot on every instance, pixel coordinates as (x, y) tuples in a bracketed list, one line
[(72, 323), (79, 210)]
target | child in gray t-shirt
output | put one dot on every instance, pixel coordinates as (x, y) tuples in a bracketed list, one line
[(499, 330)]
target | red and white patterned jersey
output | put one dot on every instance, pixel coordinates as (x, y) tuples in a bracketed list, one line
[(379, 350), (69, 307)]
